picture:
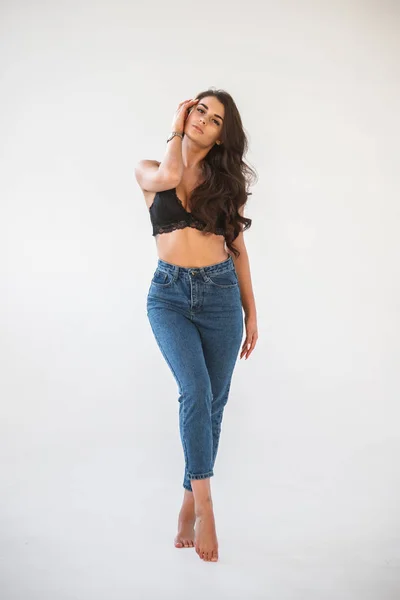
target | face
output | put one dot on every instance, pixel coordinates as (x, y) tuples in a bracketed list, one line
[(208, 114)]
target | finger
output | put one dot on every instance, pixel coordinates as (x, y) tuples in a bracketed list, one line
[(189, 100), (252, 346), (249, 352), (248, 344), (186, 105), (244, 348), (183, 103)]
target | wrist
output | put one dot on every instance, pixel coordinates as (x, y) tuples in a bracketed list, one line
[(175, 133), (250, 314)]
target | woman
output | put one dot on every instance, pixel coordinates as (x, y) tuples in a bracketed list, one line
[(195, 197)]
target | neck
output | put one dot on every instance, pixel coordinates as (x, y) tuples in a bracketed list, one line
[(192, 154)]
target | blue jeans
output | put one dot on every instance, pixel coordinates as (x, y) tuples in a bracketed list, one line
[(196, 317)]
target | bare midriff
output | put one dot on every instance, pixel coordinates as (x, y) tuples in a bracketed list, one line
[(189, 247)]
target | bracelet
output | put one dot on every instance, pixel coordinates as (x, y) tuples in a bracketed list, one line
[(173, 134)]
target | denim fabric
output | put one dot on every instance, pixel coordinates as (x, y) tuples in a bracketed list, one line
[(196, 317)]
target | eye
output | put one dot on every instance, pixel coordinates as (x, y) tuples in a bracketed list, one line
[(201, 110)]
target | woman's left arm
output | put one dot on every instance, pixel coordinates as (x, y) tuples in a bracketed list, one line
[(242, 266)]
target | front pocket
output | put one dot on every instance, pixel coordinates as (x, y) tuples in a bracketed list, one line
[(224, 280), (162, 278)]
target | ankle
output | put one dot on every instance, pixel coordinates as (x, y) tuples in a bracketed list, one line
[(204, 507)]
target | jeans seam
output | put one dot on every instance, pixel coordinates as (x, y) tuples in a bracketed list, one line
[(180, 391)]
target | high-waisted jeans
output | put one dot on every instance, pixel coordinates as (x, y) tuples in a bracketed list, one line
[(197, 320)]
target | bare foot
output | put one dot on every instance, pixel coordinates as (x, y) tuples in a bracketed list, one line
[(186, 520), (206, 542)]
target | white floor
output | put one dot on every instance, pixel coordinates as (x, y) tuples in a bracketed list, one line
[(100, 525)]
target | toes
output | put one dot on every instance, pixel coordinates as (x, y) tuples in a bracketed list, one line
[(207, 556), (184, 543)]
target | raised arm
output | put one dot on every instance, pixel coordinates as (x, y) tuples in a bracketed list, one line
[(154, 176)]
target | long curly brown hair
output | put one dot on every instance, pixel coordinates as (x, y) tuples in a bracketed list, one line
[(226, 178)]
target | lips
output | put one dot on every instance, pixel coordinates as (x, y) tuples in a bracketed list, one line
[(198, 128)]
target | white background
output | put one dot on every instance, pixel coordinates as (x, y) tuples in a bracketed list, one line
[(307, 486)]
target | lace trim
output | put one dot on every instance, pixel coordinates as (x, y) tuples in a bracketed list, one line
[(182, 224)]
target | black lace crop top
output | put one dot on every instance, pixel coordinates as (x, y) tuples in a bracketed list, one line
[(168, 213)]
